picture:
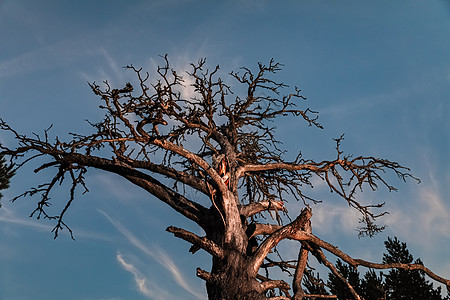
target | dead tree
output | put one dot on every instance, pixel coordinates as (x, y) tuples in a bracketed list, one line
[(220, 144)]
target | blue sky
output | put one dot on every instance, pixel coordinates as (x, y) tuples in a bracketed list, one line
[(378, 71)]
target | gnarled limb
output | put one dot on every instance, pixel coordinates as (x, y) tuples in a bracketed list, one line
[(271, 241), (188, 208), (333, 269), (193, 181), (206, 276), (257, 207), (272, 284), (255, 229), (194, 159), (298, 276), (70, 162), (202, 242), (313, 296)]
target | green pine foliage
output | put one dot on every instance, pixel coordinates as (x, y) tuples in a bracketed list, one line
[(6, 172), (372, 287), (397, 284), (404, 284), (337, 287), (314, 285)]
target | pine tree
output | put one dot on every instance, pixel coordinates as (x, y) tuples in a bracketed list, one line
[(404, 284), (372, 287), (6, 172), (314, 285), (397, 284), (336, 285)]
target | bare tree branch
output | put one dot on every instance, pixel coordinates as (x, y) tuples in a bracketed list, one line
[(333, 269), (277, 236), (298, 276), (201, 242), (257, 207)]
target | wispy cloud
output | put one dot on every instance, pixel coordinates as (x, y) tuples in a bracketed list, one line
[(422, 220), (170, 265), (145, 287), (329, 217), (128, 235), (114, 185), (58, 54), (110, 70), (9, 216), (344, 109), (159, 255), (424, 223)]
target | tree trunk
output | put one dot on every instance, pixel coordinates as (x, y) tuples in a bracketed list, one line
[(230, 279)]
